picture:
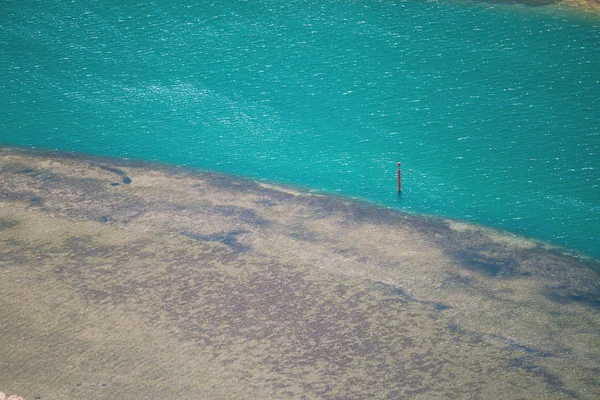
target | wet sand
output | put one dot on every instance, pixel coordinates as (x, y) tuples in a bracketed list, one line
[(126, 280)]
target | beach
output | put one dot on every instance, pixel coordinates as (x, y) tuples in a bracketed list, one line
[(123, 279)]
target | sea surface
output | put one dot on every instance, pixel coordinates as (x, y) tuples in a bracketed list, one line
[(493, 109)]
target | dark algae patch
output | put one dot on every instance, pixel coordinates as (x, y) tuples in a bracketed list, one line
[(124, 178), (202, 286), (114, 170), (228, 239)]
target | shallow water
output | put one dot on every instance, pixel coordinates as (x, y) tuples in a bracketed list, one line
[(493, 109), (124, 280)]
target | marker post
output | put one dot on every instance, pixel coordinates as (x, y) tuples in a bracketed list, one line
[(399, 180)]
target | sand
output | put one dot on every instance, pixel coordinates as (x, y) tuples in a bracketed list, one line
[(582, 7), (588, 6), (128, 280)]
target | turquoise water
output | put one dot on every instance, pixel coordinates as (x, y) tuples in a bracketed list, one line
[(494, 110)]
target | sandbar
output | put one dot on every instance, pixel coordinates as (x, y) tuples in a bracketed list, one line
[(121, 279)]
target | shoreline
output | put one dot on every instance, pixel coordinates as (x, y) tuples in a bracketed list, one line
[(589, 7), (297, 190), (122, 278), (583, 7)]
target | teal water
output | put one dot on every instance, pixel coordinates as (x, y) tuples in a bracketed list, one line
[(494, 110)]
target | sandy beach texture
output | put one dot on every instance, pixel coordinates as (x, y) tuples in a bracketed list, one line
[(123, 280)]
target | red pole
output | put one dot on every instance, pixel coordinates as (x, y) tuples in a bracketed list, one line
[(399, 180)]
